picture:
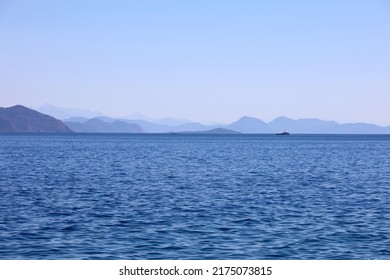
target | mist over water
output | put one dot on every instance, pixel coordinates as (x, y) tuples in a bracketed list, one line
[(150, 196)]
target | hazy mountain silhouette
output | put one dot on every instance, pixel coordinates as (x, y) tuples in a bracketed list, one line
[(63, 113), (218, 130), (97, 125), (78, 120), (151, 127), (357, 128), (75, 119), (249, 125), (320, 126), (303, 125), (160, 121), (22, 119)]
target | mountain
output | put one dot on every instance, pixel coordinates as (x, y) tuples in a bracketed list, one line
[(249, 125), (304, 125), (363, 128), (160, 121), (218, 130), (281, 123), (147, 126), (151, 127), (324, 127), (80, 125), (63, 113), (75, 119), (22, 119), (77, 124), (97, 125)]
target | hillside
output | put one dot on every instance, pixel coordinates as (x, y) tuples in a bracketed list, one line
[(22, 119)]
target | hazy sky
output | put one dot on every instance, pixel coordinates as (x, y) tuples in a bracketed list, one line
[(202, 60)]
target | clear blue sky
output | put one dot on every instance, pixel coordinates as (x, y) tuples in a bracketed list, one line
[(202, 60)]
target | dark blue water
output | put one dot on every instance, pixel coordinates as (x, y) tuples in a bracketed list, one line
[(194, 197)]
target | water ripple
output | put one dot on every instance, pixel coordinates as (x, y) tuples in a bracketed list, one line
[(194, 197)]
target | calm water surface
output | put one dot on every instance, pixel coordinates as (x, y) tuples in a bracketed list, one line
[(85, 196)]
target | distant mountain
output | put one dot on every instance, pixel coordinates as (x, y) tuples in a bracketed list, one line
[(324, 127), (213, 131), (303, 125), (97, 125), (160, 121), (22, 119), (63, 113), (150, 127), (364, 128), (249, 125), (147, 126), (75, 119), (159, 128)]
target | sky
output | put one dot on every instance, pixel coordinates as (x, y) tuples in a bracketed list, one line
[(207, 61)]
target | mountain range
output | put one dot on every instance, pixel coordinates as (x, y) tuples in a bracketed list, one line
[(97, 125), (21, 119), (245, 125)]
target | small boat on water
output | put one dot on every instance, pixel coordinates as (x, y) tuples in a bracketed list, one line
[(283, 133)]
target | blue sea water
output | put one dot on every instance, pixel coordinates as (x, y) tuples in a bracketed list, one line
[(150, 196)]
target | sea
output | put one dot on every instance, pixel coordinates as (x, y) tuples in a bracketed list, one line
[(194, 196)]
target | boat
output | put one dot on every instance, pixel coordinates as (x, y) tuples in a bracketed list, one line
[(283, 133)]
